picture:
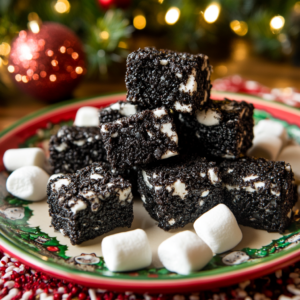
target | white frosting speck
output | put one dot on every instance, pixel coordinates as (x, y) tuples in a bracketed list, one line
[(205, 193), (96, 176), (143, 198), (114, 135), (208, 117), (179, 189), (115, 106), (103, 128), (191, 84), (128, 109), (183, 107), (168, 154), (213, 176), (201, 202), (250, 177), (202, 174), (79, 142), (59, 183), (167, 129), (159, 112), (149, 133), (172, 222), (62, 147), (79, 205), (164, 62), (179, 75), (123, 194), (145, 177)]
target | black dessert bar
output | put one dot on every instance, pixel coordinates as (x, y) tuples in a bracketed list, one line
[(177, 191), (140, 139), (221, 129), (260, 193), (179, 81), (74, 148), (89, 203)]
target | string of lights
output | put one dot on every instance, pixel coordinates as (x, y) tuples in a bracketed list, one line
[(105, 26)]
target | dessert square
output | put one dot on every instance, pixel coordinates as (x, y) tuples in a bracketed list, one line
[(89, 203), (178, 81), (178, 191), (140, 139), (74, 148), (260, 193), (221, 129)]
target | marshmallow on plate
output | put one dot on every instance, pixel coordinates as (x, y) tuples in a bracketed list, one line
[(126, 251), (291, 154), (17, 158), (271, 128), (87, 116), (219, 229), (28, 183), (265, 146), (184, 253)]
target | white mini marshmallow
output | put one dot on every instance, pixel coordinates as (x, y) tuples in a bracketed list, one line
[(270, 127), (17, 158), (265, 146), (219, 229), (87, 116), (291, 154), (184, 253), (127, 251), (28, 183)]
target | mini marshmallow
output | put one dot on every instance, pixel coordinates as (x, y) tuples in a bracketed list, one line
[(291, 154), (270, 127), (87, 116), (28, 183), (219, 229), (184, 253), (127, 251), (17, 158), (265, 146)]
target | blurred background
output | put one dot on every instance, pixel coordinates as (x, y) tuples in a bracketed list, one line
[(53, 50)]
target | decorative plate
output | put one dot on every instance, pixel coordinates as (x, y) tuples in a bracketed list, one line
[(25, 232)]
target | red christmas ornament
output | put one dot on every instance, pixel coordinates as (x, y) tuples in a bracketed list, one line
[(106, 4), (49, 64)]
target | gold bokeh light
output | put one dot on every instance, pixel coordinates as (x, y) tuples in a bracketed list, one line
[(139, 22), (172, 15), (239, 27), (277, 23), (62, 6), (212, 12)]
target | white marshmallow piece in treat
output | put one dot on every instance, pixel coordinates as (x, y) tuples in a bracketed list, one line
[(270, 127), (265, 146), (87, 116), (184, 253), (219, 229), (291, 154), (28, 183), (127, 251), (17, 158)]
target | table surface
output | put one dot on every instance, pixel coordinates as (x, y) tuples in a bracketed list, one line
[(241, 61)]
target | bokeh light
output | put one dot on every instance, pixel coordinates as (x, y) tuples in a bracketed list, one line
[(62, 6), (277, 23), (239, 27), (212, 12), (139, 22), (172, 15), (34, 26)]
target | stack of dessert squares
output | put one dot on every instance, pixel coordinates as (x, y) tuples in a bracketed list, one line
[(169, 143)]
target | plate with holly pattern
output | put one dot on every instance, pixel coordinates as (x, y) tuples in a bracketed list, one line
[(25, 231)]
